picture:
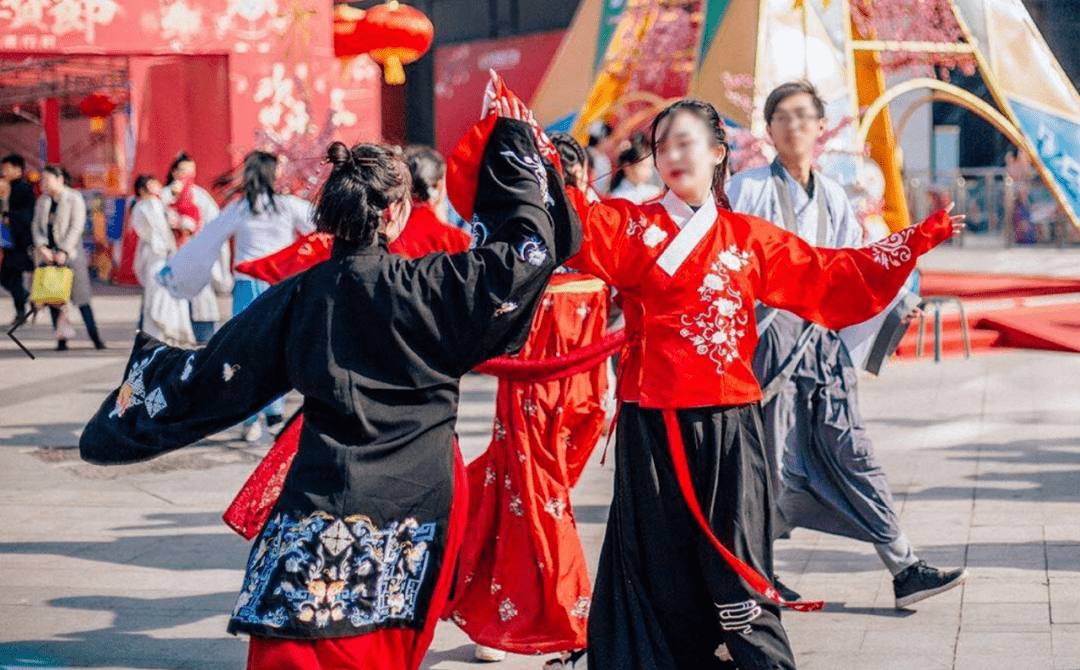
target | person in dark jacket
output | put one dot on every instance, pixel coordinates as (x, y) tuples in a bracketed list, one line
[(355, 563), (20, 212)]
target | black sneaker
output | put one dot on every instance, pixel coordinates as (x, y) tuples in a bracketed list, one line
[(61, 345), (273, 420), (785, 592), (922, 581)]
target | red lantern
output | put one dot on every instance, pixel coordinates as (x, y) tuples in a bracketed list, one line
[(97, 106), (393, 34)]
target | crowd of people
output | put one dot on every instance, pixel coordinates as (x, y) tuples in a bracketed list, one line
[(740, 298)]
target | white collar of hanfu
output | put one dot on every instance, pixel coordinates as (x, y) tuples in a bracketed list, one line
[(693, 226)]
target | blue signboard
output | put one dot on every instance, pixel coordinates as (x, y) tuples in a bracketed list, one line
[(1058, 143)]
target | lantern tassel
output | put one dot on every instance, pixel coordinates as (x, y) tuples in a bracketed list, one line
[(393, 72)]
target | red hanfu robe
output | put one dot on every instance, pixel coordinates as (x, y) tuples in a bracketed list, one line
[(522, 581), (685, 573), (689, 281)]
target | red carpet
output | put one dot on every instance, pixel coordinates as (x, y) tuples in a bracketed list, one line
[(975, 286), (1053, 328), (1050, 327)]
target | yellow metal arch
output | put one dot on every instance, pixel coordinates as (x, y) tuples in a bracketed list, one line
[(947, 93)]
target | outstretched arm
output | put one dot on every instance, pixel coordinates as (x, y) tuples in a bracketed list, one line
[(173, 397), (840, 287)]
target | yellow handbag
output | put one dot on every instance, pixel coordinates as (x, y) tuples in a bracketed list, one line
[(52, 285)]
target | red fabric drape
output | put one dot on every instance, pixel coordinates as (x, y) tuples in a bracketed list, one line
[(522, 581)]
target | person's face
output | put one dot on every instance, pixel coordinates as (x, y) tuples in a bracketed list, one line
[(10, 172), (183, 171), (796, 126), (51, 183), (686, 156), (153, 188)]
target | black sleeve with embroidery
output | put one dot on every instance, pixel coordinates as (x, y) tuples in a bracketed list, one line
[(173, 397), (523, 228)]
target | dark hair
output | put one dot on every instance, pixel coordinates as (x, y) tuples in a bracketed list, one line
[(635, 153), (140, 183), (571, 154), (785, 91), (14, 159), (708, 115), (363, 182), (257, 179), (55, 170), (426, 168), (181, 157)]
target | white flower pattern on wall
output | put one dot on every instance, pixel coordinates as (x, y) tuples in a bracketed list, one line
[(715, 332)]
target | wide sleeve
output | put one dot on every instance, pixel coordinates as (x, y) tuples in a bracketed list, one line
[(838, 287), (483, 300), (173, 397), (189, 270), (617, 243)]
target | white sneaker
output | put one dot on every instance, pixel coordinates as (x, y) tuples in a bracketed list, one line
[(253, 432), (489, 655)]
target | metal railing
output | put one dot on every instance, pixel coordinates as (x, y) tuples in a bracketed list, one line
[(990, 198)]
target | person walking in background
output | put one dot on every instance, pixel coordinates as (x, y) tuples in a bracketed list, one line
[(18, 217), (57, 231), (823, 464), (261, 221), (189, 207), (163, 317)]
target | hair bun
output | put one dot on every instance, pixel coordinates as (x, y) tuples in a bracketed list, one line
[(339, 155)]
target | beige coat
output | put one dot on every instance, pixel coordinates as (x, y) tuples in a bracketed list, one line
[(68, 227)]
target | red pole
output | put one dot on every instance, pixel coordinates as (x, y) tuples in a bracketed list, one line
[(51, 122)]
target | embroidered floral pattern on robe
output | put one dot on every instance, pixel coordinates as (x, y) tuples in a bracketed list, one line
[(325, 571), (893, 251), (715, 332)]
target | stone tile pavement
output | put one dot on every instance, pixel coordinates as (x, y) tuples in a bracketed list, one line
[(130, 567)]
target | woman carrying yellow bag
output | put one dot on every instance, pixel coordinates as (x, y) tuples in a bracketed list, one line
[(59, 222)]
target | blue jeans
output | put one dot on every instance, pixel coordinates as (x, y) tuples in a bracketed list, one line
[(243, 294)]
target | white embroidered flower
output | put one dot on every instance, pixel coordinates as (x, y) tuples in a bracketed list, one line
[(714, 282), (458, 619), (581, 607), (726, 308), (507, 610), (653, 236), (719, 337), (733, 259), (495, 587), (555, 507), (489, 477), (515, 505)]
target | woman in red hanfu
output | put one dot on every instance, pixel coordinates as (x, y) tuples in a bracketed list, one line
[(685, 575)]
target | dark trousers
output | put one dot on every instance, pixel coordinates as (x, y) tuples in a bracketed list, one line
[(665, 599), (11, 278)]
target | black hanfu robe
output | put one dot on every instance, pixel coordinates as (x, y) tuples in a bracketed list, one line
[(376, 344)]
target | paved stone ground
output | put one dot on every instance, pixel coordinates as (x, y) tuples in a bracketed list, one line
[(130, 567)]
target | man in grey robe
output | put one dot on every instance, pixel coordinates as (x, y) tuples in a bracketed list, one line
[(824, 466)]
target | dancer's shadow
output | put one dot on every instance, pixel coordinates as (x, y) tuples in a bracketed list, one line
[(887, 612), (131, 640)]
